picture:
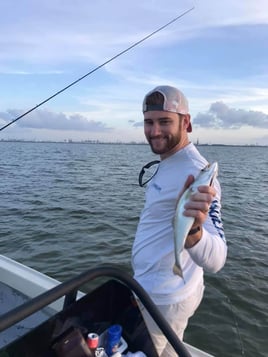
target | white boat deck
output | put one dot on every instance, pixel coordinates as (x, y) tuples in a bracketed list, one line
[(19, 284), (11, 298), (26, 280)]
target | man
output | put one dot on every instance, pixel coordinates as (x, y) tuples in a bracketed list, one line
[(167, 123)]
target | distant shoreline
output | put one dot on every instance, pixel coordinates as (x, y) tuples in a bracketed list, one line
[(114, 143)]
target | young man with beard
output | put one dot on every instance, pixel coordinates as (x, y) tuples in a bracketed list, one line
[(167, 123)]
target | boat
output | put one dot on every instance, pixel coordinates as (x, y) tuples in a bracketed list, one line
[(41, 316)]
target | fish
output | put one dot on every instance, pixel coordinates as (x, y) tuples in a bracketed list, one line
[(183, 224)]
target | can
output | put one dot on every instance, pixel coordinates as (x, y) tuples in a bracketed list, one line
[(92, 340)]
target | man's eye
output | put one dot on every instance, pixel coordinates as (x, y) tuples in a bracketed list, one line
[(165, 122)]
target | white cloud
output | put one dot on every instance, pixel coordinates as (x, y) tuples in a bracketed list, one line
[(220, 115), (65, 30), (44, 119)]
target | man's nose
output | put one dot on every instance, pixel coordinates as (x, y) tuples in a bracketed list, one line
[(155, 130)]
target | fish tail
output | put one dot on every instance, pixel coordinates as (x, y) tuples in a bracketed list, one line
[(178, 271)]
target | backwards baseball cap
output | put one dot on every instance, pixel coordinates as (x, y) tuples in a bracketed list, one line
[(174, 101)]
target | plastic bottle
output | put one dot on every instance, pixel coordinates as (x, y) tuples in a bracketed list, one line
[(114, 334)]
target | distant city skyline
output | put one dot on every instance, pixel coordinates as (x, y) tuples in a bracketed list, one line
[(70, 141)]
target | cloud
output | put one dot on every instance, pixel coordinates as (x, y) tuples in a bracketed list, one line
[(44, 119), (56, 32), (137, 124), (220, 115)]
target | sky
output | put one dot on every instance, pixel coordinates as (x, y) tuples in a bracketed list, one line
[(216, 54)]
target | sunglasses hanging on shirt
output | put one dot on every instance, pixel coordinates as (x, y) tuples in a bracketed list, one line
[(147, 172)]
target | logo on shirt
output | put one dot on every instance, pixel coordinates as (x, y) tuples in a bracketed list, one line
[(214, 213), (158, 188)]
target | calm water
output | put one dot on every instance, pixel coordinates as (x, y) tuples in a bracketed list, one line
[(66, 207)]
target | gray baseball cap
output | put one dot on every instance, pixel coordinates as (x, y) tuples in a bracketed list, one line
[(174, 101)]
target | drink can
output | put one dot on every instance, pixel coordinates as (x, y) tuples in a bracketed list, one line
[(92, 340)]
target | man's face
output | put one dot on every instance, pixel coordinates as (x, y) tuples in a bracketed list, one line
[(165, 131)]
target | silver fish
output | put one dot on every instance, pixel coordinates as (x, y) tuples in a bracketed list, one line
[(183, 224)]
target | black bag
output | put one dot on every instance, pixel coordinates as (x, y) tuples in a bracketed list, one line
[(72, 344)]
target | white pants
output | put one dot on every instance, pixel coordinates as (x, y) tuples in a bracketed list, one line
[(177, 315)]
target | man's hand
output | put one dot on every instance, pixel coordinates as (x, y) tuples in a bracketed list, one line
[(197, 207)]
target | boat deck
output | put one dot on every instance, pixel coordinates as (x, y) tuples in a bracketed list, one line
[(11, 298)]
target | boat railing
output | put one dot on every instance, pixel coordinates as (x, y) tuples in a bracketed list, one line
[(69, 289)]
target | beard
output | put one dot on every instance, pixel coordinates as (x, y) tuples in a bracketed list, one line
[(163, 144)]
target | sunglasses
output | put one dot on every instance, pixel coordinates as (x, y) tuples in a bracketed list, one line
[(147, 172)]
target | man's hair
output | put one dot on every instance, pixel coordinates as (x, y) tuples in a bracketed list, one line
[(156, 98)]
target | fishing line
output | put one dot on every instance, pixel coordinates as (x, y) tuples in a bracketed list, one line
[(237, 327), (242, 348), (98, 67)]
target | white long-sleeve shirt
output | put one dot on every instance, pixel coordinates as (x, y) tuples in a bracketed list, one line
[(153, 254)]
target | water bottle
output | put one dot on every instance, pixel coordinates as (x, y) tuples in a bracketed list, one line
[(114, 334)]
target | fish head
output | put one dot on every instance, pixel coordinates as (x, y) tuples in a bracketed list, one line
[(206, 175), (212, 172)]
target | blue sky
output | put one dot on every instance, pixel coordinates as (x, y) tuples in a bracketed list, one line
[(217, 55)]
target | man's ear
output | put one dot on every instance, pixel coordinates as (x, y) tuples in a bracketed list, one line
[(187, 122)]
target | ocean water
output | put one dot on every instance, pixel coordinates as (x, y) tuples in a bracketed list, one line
[(65, 207)]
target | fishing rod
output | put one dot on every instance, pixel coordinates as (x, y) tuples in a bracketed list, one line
[(97, 68)]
